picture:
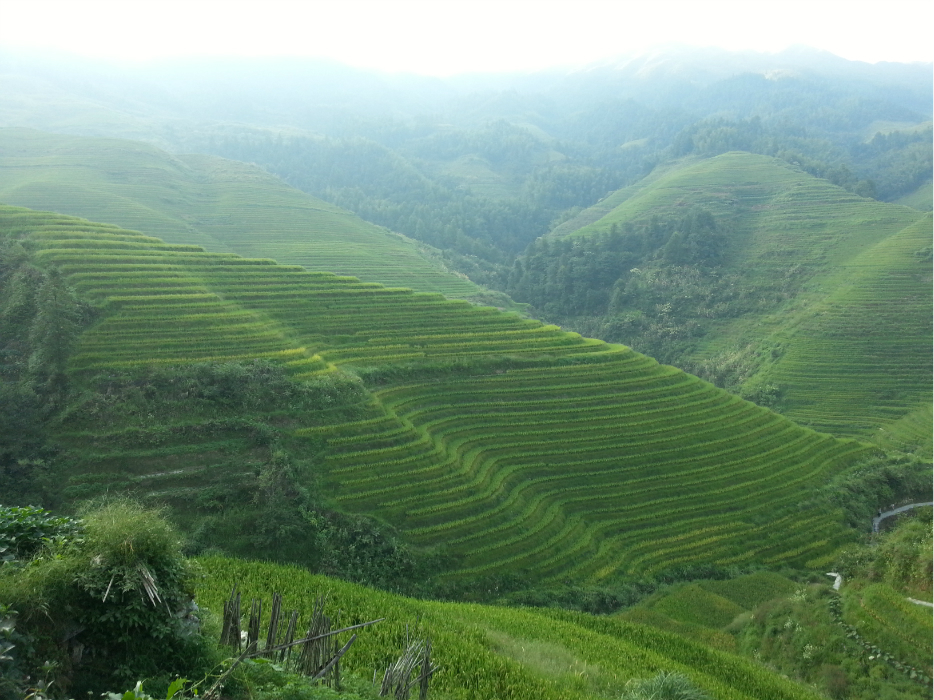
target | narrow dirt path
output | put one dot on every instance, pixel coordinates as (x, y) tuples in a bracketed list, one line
[(895, 511)]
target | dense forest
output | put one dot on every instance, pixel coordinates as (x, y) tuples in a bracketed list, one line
[(423, 185)]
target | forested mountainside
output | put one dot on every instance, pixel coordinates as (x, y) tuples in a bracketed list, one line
[(760, 277)]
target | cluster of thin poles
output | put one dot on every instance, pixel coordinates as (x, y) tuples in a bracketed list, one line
[(317, 655)]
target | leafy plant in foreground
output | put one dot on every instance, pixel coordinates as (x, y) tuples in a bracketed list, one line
[(664, 686), (24, 530), (109, 607)]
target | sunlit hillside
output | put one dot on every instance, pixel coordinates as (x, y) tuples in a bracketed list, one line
[(517, 446), (831, 291), (220, 204)]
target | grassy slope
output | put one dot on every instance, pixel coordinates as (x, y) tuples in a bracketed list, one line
[(847, 260), (710, 605), (889, 620), (862, 354), (520, 447), (202, 200), (488, 652), (921, 199), (790, 615)]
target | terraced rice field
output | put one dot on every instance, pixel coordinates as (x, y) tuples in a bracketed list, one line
[(886, 618), (517, 445), (863, 354), (701, 610), (849, 281), (488, 652), (223, 205)]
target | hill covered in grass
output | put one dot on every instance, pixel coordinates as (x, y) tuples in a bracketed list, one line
[(500, 445), (482, 165), (767, 280), (223, 205)]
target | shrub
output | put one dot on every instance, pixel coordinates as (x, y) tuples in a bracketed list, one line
[(109, 607), (23, 531), (664, 686)]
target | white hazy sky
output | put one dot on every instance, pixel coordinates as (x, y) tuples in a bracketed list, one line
[(444, 37)]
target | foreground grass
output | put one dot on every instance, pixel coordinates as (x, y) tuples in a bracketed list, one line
[(489, 652)]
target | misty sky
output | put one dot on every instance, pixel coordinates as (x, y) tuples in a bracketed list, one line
[(445, 37)]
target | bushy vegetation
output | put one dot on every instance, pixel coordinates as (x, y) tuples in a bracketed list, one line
[(900, 558), (664, 686), (101, 610), (24, 530), (867, 641), (655, 285), (41, 317), (872, 484)]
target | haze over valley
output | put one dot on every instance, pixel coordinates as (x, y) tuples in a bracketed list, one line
[(581, 378)]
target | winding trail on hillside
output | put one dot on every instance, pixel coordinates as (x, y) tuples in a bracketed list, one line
[(895, 511)]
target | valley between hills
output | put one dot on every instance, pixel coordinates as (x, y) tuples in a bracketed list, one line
[(591, 396)]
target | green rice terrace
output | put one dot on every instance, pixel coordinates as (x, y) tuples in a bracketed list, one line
[(872, 631), (828, 310), (223, 205), (521, 447), (490, 652)]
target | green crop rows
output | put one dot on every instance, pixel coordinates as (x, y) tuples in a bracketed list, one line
[(481, 650), (518, 445), (223, 205), (876, 327), (887, 619), (843, 329)]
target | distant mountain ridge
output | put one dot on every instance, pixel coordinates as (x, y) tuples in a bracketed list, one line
[(480, 166)]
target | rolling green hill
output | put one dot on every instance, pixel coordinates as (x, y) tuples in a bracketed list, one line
[(819, 299), (223, 205), (862, 354), (921, 199), (520, 447)]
